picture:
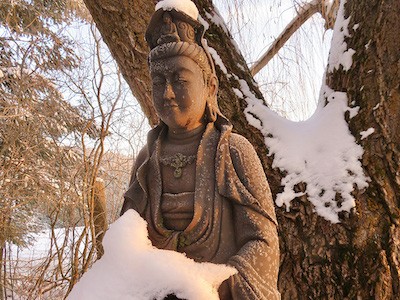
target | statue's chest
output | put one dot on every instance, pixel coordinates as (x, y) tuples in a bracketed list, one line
[(178, 168)]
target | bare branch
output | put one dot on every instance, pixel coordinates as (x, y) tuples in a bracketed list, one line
[(305, 13)]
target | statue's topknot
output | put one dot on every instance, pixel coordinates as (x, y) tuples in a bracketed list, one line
[(171, 33)]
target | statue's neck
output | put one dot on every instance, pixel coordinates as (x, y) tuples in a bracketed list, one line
[(185, 137)]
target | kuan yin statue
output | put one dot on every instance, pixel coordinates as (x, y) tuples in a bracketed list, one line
[(200, 187)]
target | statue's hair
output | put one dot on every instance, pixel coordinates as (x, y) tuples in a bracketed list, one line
[(193, 51)]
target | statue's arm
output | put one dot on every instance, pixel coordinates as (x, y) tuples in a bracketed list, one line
[(257, 261), (255, 226)]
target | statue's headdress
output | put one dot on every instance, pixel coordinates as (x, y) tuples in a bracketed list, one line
[(173, 32)]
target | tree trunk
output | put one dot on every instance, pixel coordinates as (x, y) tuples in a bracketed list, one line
[(372, 242), (359, 257)]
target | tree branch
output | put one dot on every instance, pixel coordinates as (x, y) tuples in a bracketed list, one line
[(305, 13)]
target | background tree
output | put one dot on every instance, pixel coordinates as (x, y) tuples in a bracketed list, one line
[(58, 100), (34, 121), (358, 257)]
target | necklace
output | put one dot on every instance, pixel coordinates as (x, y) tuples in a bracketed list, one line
[(178, 161)]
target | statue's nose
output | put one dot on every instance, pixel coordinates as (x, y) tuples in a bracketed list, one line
[(169, 92)]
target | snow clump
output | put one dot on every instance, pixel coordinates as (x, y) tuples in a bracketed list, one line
[(132, 269), (185, 6)]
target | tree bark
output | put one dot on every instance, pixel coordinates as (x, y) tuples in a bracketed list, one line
[(373, 83), (359, 257)]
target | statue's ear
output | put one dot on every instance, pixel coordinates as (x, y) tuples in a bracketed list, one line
[(213, 87)]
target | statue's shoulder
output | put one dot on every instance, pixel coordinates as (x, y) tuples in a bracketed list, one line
[(239, 143)]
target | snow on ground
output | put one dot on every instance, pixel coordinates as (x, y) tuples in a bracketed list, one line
[(41, 245), (37, 262), (132, 268)]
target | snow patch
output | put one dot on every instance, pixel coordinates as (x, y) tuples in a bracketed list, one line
[(367, 45), (340, 54), (132, 268), (366, 133), (185, 6), (321, 152), (217, 60), (204, 23), (353, 111), (238, 92)]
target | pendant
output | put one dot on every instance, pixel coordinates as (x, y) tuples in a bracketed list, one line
[(178, 161)]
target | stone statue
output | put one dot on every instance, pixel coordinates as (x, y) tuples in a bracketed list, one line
[(200, 187)]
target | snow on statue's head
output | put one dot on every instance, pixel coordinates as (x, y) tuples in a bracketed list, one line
[(175, 31)]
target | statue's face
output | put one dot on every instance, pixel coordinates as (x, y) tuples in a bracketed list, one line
[(179, 92)]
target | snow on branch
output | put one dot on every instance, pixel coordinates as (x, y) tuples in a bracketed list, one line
[(340, 55), (320, 152)]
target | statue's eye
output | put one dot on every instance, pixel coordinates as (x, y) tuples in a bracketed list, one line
[(181, 80), (158, 81)]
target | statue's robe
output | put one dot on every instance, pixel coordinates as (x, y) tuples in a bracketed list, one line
[(234, 219)]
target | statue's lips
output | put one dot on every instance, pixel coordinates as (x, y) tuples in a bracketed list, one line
[(171, 105)]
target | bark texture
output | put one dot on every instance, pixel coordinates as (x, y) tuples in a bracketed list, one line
[(358, 258), (373, 84)]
